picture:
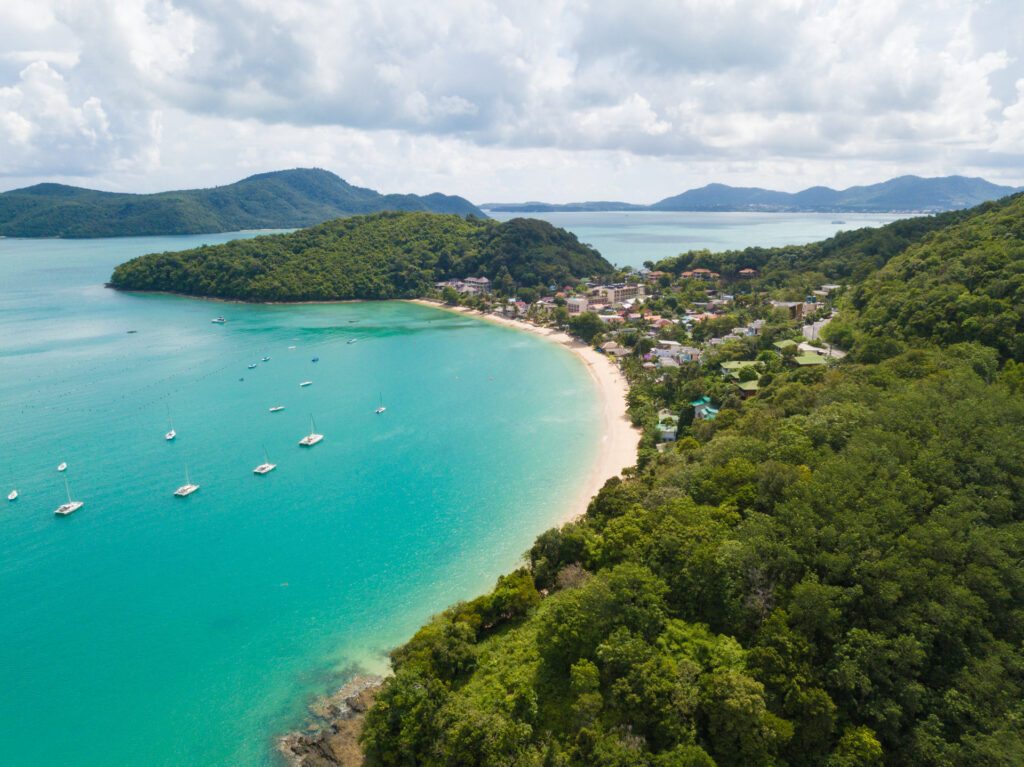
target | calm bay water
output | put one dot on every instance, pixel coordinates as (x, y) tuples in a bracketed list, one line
[(628, 238), (151, 630)]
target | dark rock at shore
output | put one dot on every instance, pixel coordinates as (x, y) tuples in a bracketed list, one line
[(332, 739)]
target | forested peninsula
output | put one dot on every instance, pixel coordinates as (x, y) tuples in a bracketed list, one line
[(381, 256), (284, 199), (827, 574)]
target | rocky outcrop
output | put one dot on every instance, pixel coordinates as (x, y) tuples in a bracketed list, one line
[(332, 738)]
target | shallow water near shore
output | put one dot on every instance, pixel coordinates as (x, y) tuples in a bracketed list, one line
[(152, 630)]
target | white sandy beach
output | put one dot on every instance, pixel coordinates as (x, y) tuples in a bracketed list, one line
[(619, 438)]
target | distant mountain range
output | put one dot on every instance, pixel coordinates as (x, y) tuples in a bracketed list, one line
[(284, 199), (906, 193)]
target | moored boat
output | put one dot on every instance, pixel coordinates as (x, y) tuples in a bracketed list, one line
[(188, 488), (266, 467), (312, 438), (71, 506)]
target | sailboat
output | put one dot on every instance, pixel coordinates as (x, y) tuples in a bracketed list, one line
[(172, 433), (312, 438), (266, 467), (188, 488), (71, 506), (380, 409)]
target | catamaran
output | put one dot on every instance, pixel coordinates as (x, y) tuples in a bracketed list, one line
[(380, 409), (71, 506), (312, 438), (188, 488), (266, 467), (277, 408)]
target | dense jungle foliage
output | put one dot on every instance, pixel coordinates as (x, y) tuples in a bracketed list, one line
[(847, 257), (386, 255), (827, 575), (278, 200), (964, 283)]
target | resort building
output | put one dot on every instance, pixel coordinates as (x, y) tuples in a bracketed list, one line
[(703, 410), (619, 293), (576, 305)]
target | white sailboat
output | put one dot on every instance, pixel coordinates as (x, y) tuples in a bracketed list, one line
[(172, 433), (188, 488), (312, 438), (266, 467), (380, 408), (71, 506)]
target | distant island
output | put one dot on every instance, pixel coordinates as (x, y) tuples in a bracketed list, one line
[(903, 194), (380, 256), (284, 199)]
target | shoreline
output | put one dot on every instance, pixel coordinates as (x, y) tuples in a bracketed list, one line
[(334, 739), (619, 439)]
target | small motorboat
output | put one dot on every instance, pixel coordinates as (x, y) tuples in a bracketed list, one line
[(12, 496), (218, 320), (132, 331), (264, 359), (62, 466), (351, 340), (277, 408), (252, 366), (306, 383), (316, 359), (291, 347)]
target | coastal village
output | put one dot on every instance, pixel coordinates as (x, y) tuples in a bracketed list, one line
[(693, 344)]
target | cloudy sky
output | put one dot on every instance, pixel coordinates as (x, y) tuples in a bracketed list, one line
[(548, 99)]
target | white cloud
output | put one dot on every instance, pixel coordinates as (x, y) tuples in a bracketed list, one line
[(653, 95)]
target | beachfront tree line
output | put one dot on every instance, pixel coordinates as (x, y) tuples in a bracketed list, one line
[(827, 575)]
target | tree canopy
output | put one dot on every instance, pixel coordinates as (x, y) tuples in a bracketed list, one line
[(385, 255)]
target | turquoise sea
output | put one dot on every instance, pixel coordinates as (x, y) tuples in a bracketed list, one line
[(152, 630), (628, 238)]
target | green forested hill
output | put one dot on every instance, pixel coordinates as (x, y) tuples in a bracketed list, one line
[(830, 577), (962, 283), (279, 200), (385, 255), (827, 575), (848, 256)]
